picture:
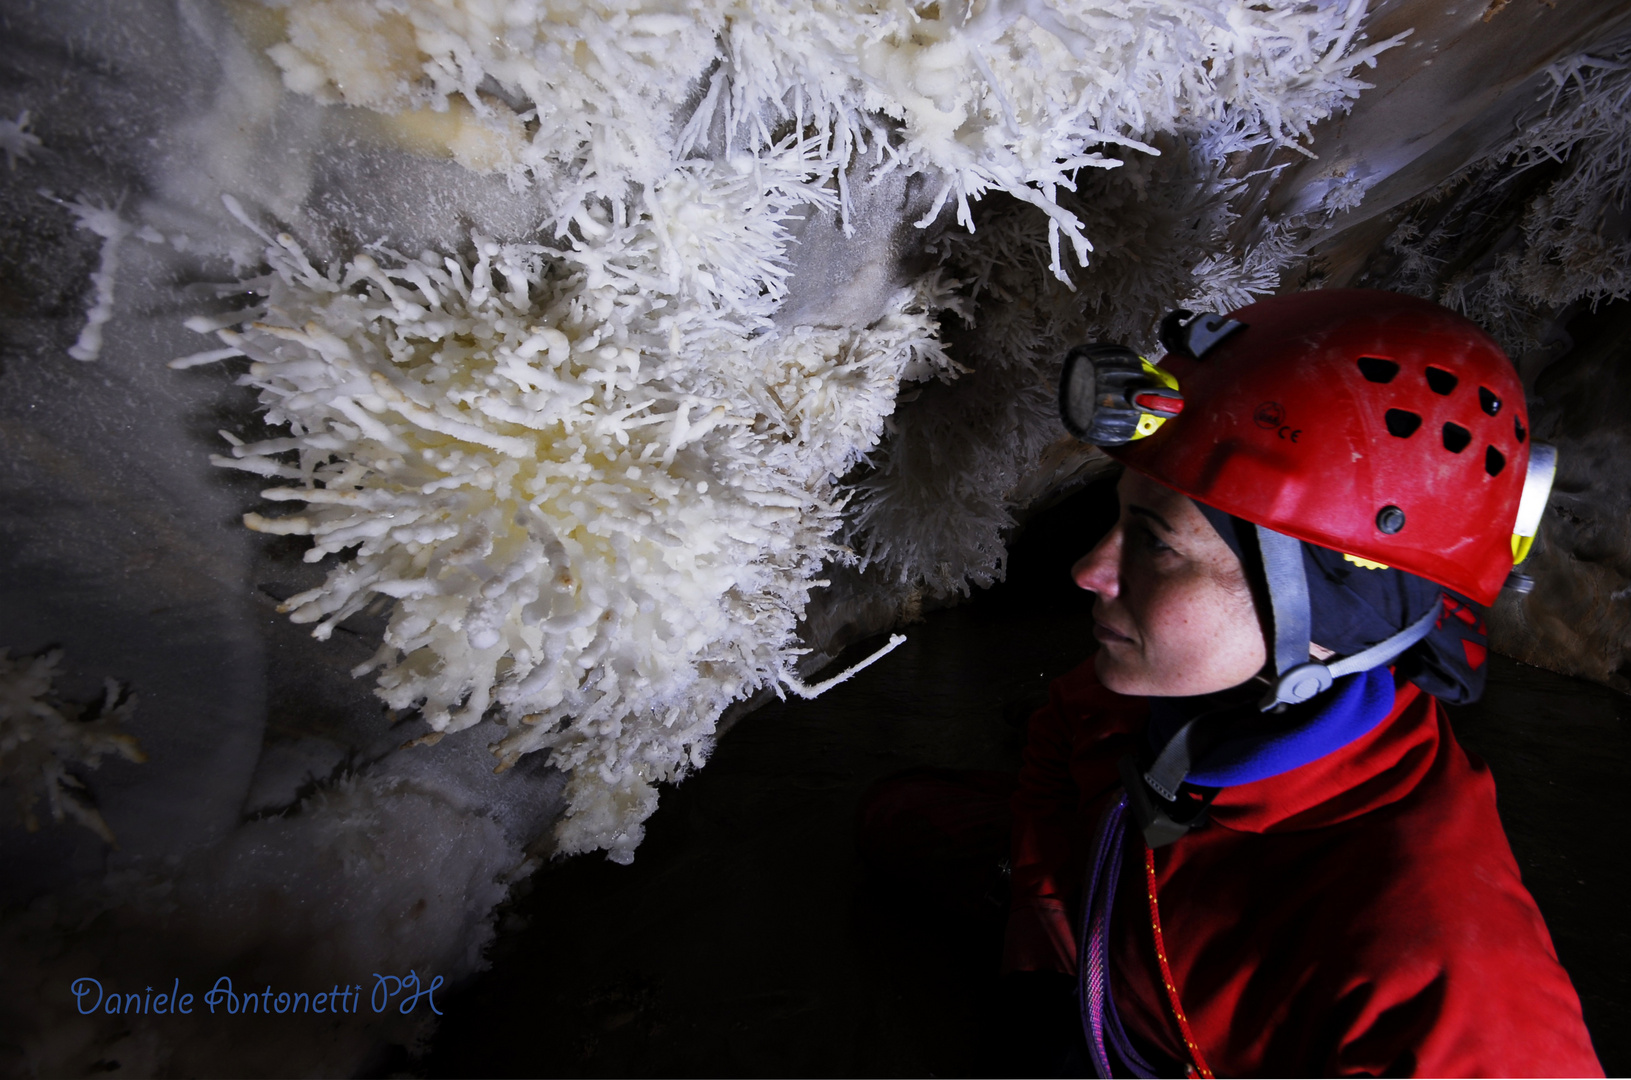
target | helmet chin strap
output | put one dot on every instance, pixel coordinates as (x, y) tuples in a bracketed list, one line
[(1298, 678)]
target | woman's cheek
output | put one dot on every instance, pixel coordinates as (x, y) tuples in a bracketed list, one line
[(1229, 643), (1190, 642)]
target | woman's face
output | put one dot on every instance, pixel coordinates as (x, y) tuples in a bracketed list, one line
[(1172, 610)]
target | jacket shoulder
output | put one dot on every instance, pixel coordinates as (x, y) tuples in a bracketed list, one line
[(1453, 971)]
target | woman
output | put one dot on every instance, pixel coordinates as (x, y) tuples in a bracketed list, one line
[(1245, 824)]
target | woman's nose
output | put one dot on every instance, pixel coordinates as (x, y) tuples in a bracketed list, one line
[(1100, 569)]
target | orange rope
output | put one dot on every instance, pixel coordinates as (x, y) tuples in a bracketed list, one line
[(1200, 1068)]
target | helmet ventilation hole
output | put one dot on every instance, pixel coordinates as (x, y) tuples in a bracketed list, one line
[(1456, 438), (1402, 423), (1517, 428), (1377, 370), (1494, 461), (1489, 401), (1440, 381)]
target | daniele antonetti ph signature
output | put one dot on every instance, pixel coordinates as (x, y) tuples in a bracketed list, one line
[(404, 993)]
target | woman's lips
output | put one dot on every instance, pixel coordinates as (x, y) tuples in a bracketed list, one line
[(1107, 635)]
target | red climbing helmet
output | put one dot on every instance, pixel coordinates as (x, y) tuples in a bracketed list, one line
[(1383, 426)]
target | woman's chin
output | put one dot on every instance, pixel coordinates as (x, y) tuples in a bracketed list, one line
[(1121, 672), (1115, 675)]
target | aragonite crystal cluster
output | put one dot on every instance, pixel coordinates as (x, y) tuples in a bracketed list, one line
[(595, 488), (590, 478), (1557, 189)]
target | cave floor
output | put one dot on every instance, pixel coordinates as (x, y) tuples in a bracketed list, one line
[(746, 938)]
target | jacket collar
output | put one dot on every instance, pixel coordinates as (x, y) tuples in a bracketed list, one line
[(1380, 767)]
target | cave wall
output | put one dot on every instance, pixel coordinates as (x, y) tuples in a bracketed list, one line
[(1577, 619)]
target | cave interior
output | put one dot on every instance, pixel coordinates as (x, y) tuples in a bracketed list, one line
[(563, 739)]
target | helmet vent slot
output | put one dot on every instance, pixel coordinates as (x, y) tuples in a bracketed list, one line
[(1440, 381), (1377, 370), (1517, 428), (1402, 423), (1491, 403), (1456, 437), (1494, 461)]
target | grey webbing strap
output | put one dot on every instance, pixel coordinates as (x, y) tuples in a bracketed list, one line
[(1385, 651), (1172, 764), (1288, 596), (1297, 677), (1194, 739), (1312, 678)]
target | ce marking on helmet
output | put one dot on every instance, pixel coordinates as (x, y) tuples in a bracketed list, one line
[(1271, 416)]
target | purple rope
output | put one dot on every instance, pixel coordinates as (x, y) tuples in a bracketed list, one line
[(1100, 1017)]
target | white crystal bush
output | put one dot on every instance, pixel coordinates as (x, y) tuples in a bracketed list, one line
[(1567, 238), (17, 142), (593, 485)]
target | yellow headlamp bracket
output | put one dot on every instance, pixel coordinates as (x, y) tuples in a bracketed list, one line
[(1150, 421)]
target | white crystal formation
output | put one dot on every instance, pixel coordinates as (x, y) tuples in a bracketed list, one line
[(1568, 241), (17, 142), (43, 738), (105, 222), (589, 477), (595, 489), (1000, 95)]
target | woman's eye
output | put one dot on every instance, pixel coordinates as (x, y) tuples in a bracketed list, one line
[(1149, 541)]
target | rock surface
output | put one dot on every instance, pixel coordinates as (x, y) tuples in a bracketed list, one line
[(1578, 617)]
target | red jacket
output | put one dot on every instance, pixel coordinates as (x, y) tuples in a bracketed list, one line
[(1362, 914)]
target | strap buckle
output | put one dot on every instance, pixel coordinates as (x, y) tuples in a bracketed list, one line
[(1302, 683), (1162, 823)]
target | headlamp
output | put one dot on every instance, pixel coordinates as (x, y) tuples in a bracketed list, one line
[(1109, 395)]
